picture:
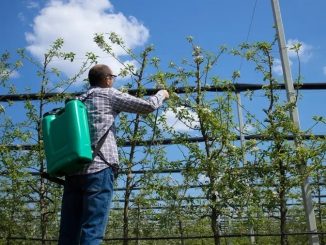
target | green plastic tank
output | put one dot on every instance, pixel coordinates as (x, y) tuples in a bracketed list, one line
[(66, 137)]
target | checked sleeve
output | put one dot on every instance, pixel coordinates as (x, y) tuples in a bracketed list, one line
[(123, 102)]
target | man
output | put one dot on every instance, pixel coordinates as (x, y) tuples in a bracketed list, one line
[(88, 194)]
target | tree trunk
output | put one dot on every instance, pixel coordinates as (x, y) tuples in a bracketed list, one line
[(137, 225), (215, 226), (283, 209), (320, 218), (126, 210), (129, 186), (181, 232)]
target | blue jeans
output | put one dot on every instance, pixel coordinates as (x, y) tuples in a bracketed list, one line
[(85, 208)]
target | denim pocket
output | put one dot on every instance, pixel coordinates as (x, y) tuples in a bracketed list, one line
[(95, 182), (99, 181)]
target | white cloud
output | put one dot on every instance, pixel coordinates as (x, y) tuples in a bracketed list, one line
[(305, 54), (21, 17), (203, 179), (76, 21), (248, 129), (10, 74), (32, 4), (277, 66), (324, 70), (305, 51), (184, 125), (14, 74)]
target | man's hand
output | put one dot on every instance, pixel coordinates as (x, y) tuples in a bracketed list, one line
[(166, 94)]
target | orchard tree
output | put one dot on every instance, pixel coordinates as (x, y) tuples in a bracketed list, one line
[(134, 129), (283, 165), (209, 114), (40, 195)]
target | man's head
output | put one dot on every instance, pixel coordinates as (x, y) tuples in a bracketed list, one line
[(101, 76)]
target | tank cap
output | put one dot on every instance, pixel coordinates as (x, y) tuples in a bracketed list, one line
[(52, 112)]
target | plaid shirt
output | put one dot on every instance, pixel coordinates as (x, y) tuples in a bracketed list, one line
[(104, 105)]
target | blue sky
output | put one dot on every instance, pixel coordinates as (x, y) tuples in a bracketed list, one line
[(166, 24)]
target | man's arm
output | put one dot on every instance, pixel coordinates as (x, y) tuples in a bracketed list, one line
[(128, 103)]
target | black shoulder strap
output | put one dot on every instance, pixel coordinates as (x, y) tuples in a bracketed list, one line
[(100, 143), (87, 96), (56, 180)]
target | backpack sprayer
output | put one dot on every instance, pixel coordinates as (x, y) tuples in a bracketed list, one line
[(66, 137)]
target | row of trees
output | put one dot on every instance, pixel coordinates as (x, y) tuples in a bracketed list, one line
[(213, 187)]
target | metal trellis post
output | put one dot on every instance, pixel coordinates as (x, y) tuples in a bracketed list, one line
[(306, 189)]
